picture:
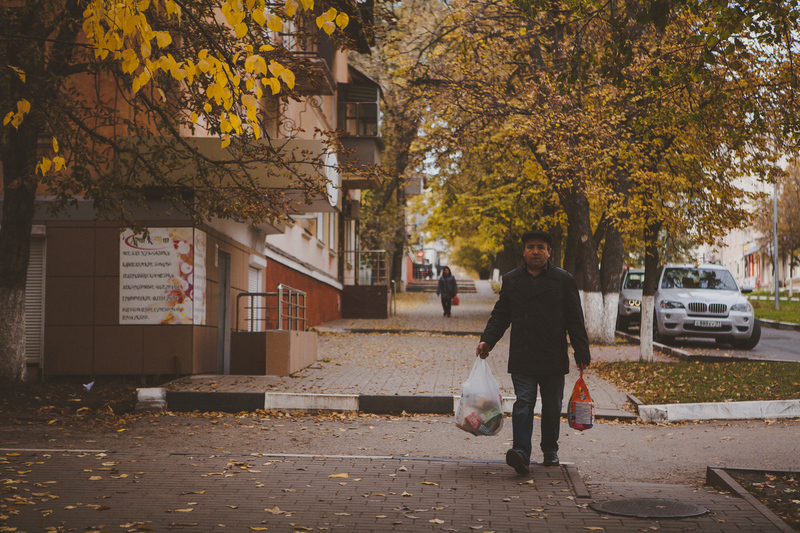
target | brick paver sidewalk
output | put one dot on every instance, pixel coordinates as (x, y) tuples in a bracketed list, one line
[(141, 491), (431, 357)]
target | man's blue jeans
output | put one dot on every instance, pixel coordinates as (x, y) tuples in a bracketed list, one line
[(552, 393)]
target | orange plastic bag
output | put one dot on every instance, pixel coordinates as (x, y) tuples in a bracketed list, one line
[(580, 412), (455, 300)]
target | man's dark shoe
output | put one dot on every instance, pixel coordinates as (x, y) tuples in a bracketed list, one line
[(550, 459), (516, 460)]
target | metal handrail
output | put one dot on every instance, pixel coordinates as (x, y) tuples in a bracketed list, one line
[(251, 319), (289, 309), (295, 300)]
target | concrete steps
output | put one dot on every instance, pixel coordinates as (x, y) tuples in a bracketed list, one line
[(465, 286)]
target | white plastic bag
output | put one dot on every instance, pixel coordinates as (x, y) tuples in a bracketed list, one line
[(480, 410)]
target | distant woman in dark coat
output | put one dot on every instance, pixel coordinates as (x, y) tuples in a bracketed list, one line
[(446, 289)]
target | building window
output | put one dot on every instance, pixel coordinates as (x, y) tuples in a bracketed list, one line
[(358, 113)]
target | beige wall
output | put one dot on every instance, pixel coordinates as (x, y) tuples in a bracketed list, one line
[(82, 331), (83, 335)]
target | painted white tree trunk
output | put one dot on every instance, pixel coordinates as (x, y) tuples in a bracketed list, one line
[(646, 330), (593, 313), (610, 309)]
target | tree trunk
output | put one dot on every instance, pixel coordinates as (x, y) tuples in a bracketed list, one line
[(389, 215), (648, 292), (399, 241), (19, 190), (580, 259), (508, 259), (611, 281), (557, 234)]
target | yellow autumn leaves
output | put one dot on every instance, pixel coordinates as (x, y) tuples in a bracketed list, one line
[(15, 117), (57, 162), (122, 31), (329, 20), (23, 106)]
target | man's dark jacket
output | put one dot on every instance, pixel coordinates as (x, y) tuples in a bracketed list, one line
[(540, 312)]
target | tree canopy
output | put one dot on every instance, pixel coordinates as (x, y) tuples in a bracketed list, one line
[(638, 115), (117, 88), (788, 189)]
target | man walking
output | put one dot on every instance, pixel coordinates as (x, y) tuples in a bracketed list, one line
[(541, 304)]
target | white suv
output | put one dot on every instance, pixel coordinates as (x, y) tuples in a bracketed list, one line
[(703, 301)]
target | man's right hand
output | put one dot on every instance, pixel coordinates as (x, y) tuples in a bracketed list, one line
[(482, 351)]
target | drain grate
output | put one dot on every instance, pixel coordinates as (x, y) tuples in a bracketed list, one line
[(649, 508)]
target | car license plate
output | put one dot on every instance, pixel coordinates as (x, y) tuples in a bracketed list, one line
[(708, 323)]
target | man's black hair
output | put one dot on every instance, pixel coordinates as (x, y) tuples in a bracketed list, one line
[(537, 234)]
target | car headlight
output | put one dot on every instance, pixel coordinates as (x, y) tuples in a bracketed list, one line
[(633, 303), (669, 304), (743, 307)]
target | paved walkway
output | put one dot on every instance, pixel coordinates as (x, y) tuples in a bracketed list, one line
[(140, 490), (417, 353), (159, 491)]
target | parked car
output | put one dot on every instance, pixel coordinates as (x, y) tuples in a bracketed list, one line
[(630, 299), (703, 301)]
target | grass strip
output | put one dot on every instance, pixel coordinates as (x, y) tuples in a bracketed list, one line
[(789, 311), (694, 382), (780, 492)]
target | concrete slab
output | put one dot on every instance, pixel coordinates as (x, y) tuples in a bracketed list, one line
[(720, 411), (310, 402)]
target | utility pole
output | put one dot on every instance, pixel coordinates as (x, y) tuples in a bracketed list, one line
[(775, 244)]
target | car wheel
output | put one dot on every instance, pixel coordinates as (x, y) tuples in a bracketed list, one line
[(623, 324), (750, 343), (658, 337)]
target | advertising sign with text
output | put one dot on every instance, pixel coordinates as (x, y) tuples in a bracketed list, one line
[(162, 277)]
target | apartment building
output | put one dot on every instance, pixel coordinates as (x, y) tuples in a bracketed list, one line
[(221, 296)]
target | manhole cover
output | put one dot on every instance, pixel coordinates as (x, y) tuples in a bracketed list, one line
[(650, 508)]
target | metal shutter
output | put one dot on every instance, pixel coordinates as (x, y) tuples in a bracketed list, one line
[(34, 304)]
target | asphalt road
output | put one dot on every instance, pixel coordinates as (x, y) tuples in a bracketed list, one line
[(610, 451), (775, 345)]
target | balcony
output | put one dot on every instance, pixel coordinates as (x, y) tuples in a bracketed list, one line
[(180, 167), (312, 67), (312, 74), (360, 151), (358, 115)]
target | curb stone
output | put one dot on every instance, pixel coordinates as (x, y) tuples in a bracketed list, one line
[(187, 401), (716, 411), (234, 402), (773, 324), (718, 477), (663, 348), (680, 412)]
